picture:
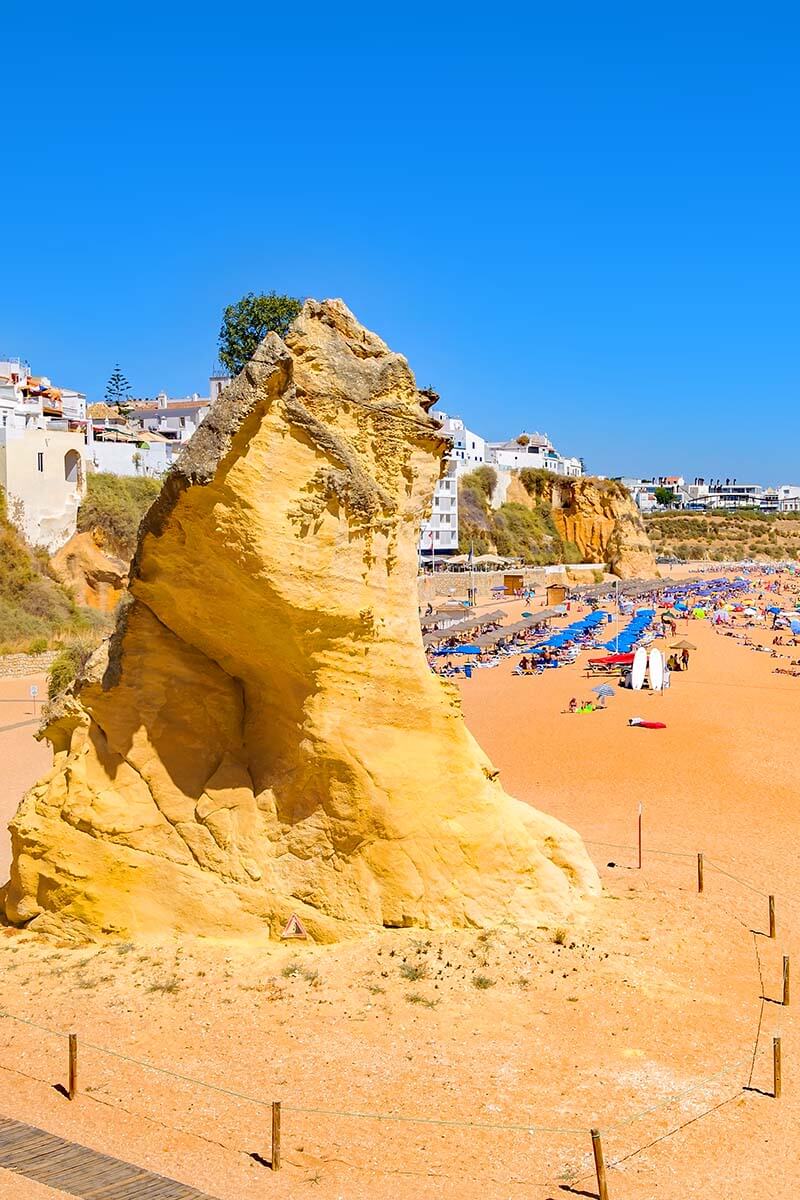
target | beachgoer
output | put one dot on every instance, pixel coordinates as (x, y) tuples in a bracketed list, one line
[(685, 659)]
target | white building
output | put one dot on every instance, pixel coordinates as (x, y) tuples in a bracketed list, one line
[(175, 419), (732, 494), (789, 498), (642, 491), (532, 450), (439, 533), (468, 448), (126, 457), (216, 383), (468, 451), (42, 459)]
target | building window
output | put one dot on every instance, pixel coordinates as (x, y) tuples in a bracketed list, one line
[(40, 461)]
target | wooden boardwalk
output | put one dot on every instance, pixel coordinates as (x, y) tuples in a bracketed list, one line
[(79, 1171)]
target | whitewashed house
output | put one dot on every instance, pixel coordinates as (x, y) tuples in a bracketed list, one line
[(174, 419), (532, 450), (42, 455)]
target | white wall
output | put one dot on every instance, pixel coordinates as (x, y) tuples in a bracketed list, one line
[(520, 456), (126, 458), (43, 487), (788, 498), (468, 448)]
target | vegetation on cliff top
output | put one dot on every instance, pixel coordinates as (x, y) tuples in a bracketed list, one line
[(246, 323), (115, 505), (513, 530), (725, 536)]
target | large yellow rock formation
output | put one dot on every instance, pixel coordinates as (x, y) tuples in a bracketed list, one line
[(262, 735)]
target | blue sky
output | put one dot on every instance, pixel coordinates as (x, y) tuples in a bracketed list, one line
[(580, 218)]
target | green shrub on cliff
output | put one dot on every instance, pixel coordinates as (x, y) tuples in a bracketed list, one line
[(115, 504), (68, 665), (33, 607), (513, 530)]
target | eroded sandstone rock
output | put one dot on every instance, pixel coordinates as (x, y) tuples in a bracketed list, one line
[(262, 735), (601, 518), (96, 577)]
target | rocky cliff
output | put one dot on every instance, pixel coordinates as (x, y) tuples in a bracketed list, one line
[(596, 515), (96, 577), (602, 519), (262, 736)]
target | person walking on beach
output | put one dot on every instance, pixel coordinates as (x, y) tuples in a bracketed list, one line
[(685, 660)]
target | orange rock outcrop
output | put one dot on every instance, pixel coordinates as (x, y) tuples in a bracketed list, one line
[(96, 578)]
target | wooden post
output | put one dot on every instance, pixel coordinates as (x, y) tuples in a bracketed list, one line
[(776, 1067), (772, 916), (599, 1165), (786, 979), (699, 872), (276, 1135), (640, 837), (72, 1087)]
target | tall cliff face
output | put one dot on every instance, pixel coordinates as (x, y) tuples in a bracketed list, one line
[(596, 515), (263, 736), (603, 520)]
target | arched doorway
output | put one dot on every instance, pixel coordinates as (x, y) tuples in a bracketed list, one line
[(73, 470)]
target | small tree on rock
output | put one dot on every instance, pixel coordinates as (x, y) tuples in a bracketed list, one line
[(247, 322)]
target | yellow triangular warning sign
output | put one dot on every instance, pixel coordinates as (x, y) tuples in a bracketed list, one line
[(294, 928)]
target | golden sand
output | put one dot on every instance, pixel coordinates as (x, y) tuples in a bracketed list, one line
[(646, 1018)]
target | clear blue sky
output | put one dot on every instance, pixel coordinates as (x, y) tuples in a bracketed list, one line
[(581, 218)]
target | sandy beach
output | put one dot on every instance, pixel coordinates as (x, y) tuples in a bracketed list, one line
[(650, 1015)]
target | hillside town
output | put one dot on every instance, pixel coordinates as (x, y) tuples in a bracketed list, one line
[(704, 495), (51, 438)]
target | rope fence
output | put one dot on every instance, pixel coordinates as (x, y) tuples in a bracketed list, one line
[(593, 1136)]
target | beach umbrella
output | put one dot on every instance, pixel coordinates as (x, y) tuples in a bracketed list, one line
[(603, 690), (753, 612), (772, 609), (527, 614), (795, 626), (683, 644)]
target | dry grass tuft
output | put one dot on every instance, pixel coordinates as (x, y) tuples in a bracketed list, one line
[(169, 985), (414, 971), (418, 998)]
